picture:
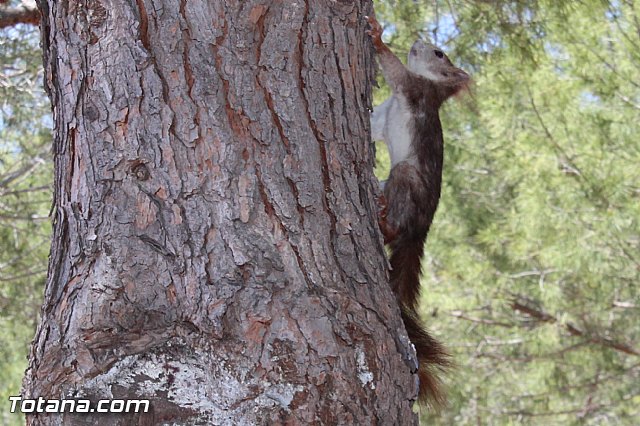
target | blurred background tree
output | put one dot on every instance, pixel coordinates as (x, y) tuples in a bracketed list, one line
[(533, 261), (25, 196)]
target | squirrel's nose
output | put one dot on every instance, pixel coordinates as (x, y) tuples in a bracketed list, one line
[(463, 75)]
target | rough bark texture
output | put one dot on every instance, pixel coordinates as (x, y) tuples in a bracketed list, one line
[(215, 242)]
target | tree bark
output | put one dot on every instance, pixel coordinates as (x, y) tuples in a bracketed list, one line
[(215, 245)]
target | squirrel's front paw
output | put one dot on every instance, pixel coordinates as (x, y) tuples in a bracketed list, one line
[(376, 29)]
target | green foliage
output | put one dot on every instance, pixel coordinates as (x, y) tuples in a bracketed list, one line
[(533, 261), (25, 187)]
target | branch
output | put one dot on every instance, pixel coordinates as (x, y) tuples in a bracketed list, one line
[(591, 382), (575, 331), (529, 358), (624, 305), (26, 13), (11, 177), (588, 409), (464, 316)]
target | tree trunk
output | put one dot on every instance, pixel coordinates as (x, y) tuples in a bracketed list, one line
[(215, 246)]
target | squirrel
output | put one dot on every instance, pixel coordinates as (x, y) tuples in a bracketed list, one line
[(409, 123)]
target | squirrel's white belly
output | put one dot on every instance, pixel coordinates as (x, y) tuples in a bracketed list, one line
[(393, 118)]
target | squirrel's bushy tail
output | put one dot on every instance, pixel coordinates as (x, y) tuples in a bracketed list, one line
[(432, 358), (406, 259)]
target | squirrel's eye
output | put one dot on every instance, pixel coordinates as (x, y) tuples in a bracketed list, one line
[(439, 53), (414, 52)]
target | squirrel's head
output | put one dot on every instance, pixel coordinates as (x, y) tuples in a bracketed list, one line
[(427, 60)]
